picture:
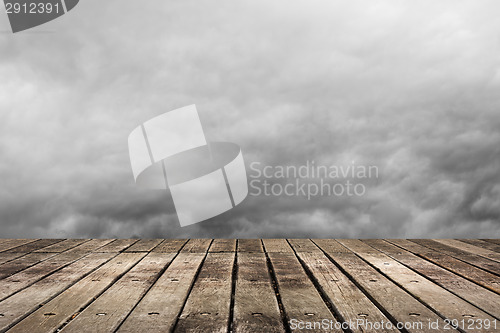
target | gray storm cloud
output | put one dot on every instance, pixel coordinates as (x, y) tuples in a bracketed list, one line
[(411, 87)]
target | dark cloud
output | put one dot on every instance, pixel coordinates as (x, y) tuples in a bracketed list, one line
[(410, 88)]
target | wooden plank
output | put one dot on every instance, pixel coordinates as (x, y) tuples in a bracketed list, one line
[(62, 246), (117, 245), (6, 257), (454, 265), (91, 245), (255, 305), (13, 243), (53, 314), (33, 246), (348, 300), (304, 245), (494, 241), (395, 302), (276, 245), (331, 246), (18, 306), (483, 244), (21, 263), (144, 245), (107, 312), (301, 301), (159, 308), (27, 277), (482, 298), (436, 297), (170, 246), (208, 306), (250, 245), (465, 256), (492, 255), (197, 245), (223, 245)]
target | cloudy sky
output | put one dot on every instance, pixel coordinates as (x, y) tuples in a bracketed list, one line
[(411, 87)]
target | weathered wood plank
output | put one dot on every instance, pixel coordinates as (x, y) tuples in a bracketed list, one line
[(197, 245), (159, 308), (117, 245), (452, 264), (20, 305), (438, 298), (6, 257), (53, 314), (483, 244), (494, 241), (208, 305), (250, 245), (21, 263), (91, 245), (395, 302), (255, 304), (492, 255), (301, 301), (304, 245), (13, 243), (62, 246), (170, 246), (33, 246), (144, 245), (465, 256), (107, 312), (4, 240), (276, 245), (482, 298), (24, 278), (349, 301), (223, 245), (331, 246)]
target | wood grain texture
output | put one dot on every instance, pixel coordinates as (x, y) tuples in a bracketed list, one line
[(250, 245), (277, 245), (436, 297), (23, 262), (170, 246), (459, 267), (117, 245), (56, 312), (159, 308), (483, 244), (223, 245), (247, 285), (144, 245), (14, 243), (482, 298), (62, 246), (255, 303), (470, 258), (208, 307), (301, 300), (23, 303), (107, 312), (396, 302), (471, 248)]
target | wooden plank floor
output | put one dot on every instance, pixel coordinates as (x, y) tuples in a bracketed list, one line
[(249, 285)]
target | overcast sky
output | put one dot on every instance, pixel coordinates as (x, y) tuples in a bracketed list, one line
[(411, 87)]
